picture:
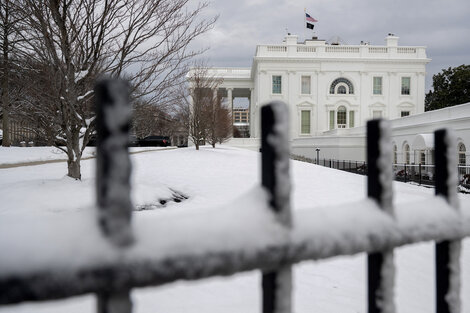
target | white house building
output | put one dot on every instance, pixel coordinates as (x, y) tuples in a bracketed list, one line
[(332, 90), (330, 86)]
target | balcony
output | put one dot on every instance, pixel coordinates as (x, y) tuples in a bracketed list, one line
[(340, 51)]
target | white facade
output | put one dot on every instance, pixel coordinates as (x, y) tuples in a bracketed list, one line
[(330, 86), (415, 131)]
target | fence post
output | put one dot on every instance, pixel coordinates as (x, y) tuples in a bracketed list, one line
[(419, 171), (276, 284), (447, 252), (379, 188), (113, 168), (405, 173)]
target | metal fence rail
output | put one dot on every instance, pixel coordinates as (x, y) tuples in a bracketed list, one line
[(422, 174), (131, 261)]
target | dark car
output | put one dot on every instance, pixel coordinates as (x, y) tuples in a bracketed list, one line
[(133, 141), (155, 141)]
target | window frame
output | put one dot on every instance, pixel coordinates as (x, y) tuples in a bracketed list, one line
[(379, 92), (273, 84), (403, 91), (462, 153), (406, 152), (309, 85), (343, 110)]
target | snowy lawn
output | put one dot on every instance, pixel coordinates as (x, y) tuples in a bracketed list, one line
[(212, 177), (14, 155)]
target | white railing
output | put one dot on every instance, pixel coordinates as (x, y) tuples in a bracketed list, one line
[(406, 50), (306, 49), (378, 50), (343, 51), (277, 48)]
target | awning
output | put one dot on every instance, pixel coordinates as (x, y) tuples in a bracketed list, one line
[(423, 142)]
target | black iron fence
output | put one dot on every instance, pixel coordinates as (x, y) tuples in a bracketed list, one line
[(422, 174), (128, 261)]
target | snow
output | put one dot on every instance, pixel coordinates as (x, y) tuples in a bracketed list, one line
[(36, 198), (16, 155), (384, 162), (80, 75), (279, 141), (89, 92)]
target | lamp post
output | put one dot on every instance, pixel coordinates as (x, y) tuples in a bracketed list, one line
[(318, 155)]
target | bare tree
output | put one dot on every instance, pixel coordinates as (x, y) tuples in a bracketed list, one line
[(76, 41), (9, 68), (149, 120), (219, 122), (224, 126), (202, 103)]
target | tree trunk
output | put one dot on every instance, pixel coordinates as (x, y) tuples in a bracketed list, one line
[(6, 84), (74, 169)]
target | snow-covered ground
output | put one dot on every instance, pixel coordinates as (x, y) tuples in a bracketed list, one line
[(14, 155), (212, 177)]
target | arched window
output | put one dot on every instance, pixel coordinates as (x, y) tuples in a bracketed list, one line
[(341, 117), (406, 151), (462, 158), (346, 83), (342, 90), (395, 161)]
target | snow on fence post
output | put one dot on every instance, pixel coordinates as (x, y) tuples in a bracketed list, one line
[(380, 265), (277, 284), (447, 252), (113, 169)]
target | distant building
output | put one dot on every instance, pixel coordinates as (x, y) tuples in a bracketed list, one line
[(241, 116), (329, 87)]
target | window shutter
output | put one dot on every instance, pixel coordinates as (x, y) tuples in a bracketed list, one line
[(332, 120), (351, 119)]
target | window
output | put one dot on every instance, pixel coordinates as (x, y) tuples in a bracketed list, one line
[(377, 86), (305, 122), (305, 81), (345, 82), (277, 84), (422, 157), (405, 85), (341, 117), (351, 119), (462, 158), (406, 149), (405, 113), (342, 90), (376, 114)]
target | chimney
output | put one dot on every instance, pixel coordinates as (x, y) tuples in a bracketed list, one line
[(391, 40), (291, 39)]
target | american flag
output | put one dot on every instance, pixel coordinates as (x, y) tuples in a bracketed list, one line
[(309, 18)]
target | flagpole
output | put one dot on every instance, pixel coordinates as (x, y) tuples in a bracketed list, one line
[(305, 22)]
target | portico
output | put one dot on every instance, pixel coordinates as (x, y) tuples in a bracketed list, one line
[(236, 83)]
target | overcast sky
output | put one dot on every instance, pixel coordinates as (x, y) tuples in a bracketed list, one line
[(441, 25)]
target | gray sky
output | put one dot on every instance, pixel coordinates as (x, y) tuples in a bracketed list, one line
[(441, 25)]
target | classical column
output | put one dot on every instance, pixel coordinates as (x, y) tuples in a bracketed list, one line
[(230, 101)]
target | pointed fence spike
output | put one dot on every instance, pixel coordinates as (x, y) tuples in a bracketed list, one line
[(447, 252), (380, 265), (277, 284)]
